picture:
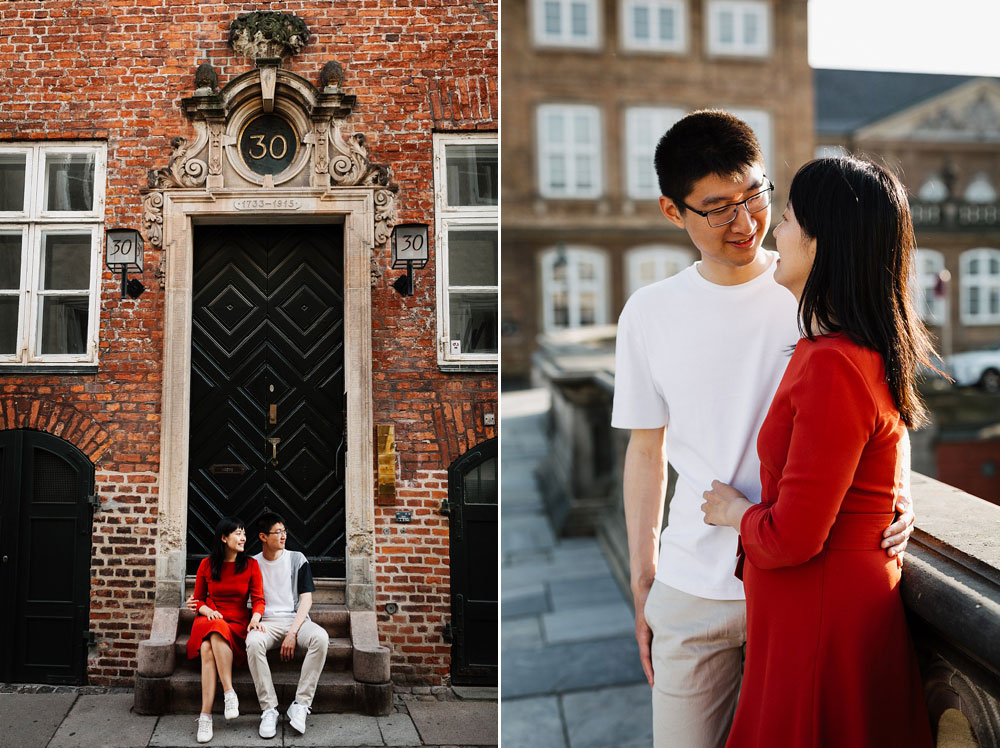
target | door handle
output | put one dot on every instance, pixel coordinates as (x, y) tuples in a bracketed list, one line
[(272, 416), (274, 450)]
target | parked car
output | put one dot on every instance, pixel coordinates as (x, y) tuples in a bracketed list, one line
[(981, 367)]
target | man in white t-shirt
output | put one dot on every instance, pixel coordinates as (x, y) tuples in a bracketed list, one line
[(288, 588), (698, 359)]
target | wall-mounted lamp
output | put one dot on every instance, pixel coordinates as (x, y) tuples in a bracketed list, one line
[(123, 254), (409, 250)]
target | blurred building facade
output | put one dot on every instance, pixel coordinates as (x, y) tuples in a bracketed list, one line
[(941, 134), (589, 87)]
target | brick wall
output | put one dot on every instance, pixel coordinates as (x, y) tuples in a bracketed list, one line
[(116, 72), (412, 570)]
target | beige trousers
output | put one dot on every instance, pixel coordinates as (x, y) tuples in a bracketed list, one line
[(312, 637), (697, 666)]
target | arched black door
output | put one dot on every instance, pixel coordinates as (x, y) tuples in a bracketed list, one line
[(45, 536), (472, 493)]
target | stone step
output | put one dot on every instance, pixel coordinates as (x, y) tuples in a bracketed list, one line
[(336, 692), (335, 618), (338, 656), (328, 591)]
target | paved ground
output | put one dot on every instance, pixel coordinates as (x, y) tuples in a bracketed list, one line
[(569, 663), (78, 719)]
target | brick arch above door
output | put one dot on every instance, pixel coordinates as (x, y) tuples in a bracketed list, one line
[(57, 419)]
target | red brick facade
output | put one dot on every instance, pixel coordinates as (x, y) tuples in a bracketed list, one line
[(116, 72), (412, 571)]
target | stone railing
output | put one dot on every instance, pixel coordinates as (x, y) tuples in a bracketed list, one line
[(951, 583), (954, 215)]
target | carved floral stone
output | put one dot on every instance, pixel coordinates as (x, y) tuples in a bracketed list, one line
[(268, 34)]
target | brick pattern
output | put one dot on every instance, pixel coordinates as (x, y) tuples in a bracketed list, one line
[(412, 570), (72, 71)]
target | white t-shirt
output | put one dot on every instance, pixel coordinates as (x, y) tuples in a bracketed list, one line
[(277, 576), (704, 360)]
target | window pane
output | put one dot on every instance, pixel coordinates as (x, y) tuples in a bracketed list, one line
[(481, 483), (63, 324), (12, 167), (974, 266), (994, 302), (472, 258), (586, 271), (69, 181), (750, 29), (726, 27), (588, 308), (974, 301), (994, 266), (578, 19), (552, 23), (640, 22), (66, 262), (560, 308), (472, 174), (474, 321), (667, 32), (581, 129), (8, 324), (584, 174), (10, 261), (557, 172)]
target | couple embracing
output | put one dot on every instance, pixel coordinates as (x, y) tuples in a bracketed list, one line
[(278, 584), (781, 386)]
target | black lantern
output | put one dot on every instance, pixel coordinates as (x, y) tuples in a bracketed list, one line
[(409, 250), (123, 254)]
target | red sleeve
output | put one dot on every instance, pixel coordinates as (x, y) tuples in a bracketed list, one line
[(256, 589), (201, 582), (833, 417)]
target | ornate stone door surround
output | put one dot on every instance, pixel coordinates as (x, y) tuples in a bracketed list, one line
[(328, 180)]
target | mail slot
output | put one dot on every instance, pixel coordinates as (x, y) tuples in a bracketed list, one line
[(227, 469)]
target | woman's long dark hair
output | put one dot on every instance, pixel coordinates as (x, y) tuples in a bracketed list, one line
[(859, 215), (217, 553)]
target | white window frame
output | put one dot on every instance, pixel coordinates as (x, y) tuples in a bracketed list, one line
[(930, 308), (565, 37), (738, 47), (471, 218), (33, 223), (933, 190), (664, 255), (639, 155), (985, 283), (980, 190), (762, 124), (655, 43), (570, 151), (573, 255)]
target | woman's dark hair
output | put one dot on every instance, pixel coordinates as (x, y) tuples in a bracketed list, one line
[(859, 215), (217, 553), (704, 143)]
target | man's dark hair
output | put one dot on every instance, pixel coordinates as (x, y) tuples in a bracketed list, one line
[(268, 520), (859, 215), (704, 143)]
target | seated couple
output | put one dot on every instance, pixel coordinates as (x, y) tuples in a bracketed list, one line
[(279, 585)]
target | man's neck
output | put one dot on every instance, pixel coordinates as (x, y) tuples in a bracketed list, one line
[(731, 275), (272, 555)]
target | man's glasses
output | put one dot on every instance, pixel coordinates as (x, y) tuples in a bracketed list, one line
[(277, 532), (727, 213)]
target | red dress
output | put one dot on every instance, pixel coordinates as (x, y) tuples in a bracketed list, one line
[(229, 597), (829, 657)]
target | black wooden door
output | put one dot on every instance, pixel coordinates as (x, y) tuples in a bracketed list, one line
[(267, 387), (472, 494), (45, 541)]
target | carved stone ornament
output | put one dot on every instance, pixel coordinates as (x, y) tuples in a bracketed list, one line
[(268, 34), (212, 160), (376, 270)]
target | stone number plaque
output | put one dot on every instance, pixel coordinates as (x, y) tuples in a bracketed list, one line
[(268, 144)]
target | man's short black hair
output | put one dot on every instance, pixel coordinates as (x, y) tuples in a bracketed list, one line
[(268, 520), (706, 142)]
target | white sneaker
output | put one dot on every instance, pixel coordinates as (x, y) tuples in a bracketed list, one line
[(297, 716), (204, 728), (232, 705), (268, 723)]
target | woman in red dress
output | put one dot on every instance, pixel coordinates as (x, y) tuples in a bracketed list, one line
[(829, 657), (225, 580)]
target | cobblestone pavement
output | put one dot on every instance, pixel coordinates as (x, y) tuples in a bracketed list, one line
[(569, 662)]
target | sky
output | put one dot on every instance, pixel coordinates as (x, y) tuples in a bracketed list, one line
[(918, 36)]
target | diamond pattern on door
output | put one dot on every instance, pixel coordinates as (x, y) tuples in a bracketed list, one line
[(268, 337)]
